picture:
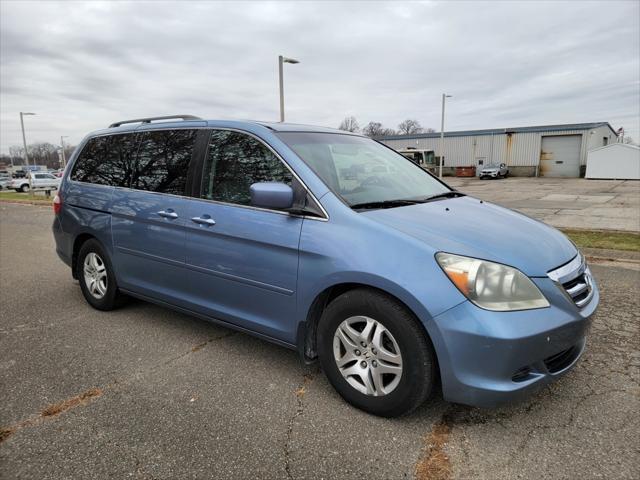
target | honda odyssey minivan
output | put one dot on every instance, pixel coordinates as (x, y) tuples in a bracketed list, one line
[(330, 243)]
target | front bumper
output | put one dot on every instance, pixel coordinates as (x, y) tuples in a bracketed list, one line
[(491, 358)]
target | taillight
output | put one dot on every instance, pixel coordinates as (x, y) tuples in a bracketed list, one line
[(57, 203)]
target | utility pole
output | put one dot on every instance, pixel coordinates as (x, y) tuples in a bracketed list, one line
[(282, 60), (64, 158), (24, 138), (444, 96)]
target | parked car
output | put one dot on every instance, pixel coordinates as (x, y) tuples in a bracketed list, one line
[(394, 281), (36, 181), (494, 171), (5, 181)]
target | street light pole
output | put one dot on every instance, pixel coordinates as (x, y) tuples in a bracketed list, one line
[(24, 139), (444, 96), (64, 159), (282, 60)]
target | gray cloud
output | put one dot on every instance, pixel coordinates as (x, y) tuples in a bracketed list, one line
[(81, 66)]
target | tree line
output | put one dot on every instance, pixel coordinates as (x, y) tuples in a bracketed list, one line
[(376, 129), (42, 153)]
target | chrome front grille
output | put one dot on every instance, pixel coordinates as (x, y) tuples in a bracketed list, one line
[(580, 289), (575, 279)]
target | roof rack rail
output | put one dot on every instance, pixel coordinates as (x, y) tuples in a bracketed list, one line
[(151, 119)]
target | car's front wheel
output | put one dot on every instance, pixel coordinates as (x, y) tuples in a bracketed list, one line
[(24, 188), (375, 353), (97, 280)]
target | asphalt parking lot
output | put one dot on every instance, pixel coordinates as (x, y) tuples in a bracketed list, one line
[(144, 392)]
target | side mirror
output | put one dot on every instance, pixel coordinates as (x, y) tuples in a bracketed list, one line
[(271, 195)]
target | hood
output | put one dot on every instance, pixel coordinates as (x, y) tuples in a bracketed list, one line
[(467, 226), (490, 169)]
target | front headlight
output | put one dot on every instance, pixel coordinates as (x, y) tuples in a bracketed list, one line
[(491, 285)]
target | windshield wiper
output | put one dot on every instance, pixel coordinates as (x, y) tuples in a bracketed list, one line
[(439, 196), (385, 204)]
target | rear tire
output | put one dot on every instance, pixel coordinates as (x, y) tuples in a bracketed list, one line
[(372, 388), (96, 277), (24, 188)]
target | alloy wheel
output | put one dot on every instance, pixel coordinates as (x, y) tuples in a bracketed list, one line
[(95, 275), (367, 355)]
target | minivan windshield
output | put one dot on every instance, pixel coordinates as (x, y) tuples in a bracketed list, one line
[(363, 172)]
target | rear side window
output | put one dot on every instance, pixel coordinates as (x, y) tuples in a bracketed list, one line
[(107, 160), (163, 161), (236, 161)]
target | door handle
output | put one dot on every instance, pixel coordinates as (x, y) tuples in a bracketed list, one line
[(203, 220), (167, 214)]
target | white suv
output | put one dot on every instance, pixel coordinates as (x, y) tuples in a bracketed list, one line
[(36, 181)]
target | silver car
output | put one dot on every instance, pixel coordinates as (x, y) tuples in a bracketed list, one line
[(494, 171)]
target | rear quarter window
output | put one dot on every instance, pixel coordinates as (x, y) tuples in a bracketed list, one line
[(107, 160)]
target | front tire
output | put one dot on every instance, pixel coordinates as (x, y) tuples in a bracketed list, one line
[(24, 188), (96, 277), (375, 353)]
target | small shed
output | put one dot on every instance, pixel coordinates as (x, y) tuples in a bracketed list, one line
[(615, 161)]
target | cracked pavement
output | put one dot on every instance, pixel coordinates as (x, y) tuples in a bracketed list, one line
[(183, 398)]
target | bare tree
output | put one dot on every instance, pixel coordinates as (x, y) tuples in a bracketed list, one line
[(429, 130), (44, 154), (409, 127), (628, 141), (17, 154), (349, 124), (375, 129)]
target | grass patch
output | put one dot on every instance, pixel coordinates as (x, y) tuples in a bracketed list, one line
[(26, 197), (600, 239)]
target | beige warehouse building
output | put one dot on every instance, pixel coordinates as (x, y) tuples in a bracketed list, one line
[(546, 150)]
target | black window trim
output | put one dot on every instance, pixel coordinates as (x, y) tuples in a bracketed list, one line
[(193, 163), (197, 191), (197, 165)]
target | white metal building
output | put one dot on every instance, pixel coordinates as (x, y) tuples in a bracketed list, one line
[(547, 150), (616, 161)]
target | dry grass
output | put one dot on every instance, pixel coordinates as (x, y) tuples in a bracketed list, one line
[(6, 433), (602, 239), (302, 389), (51, 411), (82, 399), (434, 463), (16, 197)]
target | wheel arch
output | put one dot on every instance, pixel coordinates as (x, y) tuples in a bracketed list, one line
[(307, 329), (80, 240)]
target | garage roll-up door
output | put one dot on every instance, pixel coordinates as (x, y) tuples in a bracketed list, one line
[(560, 156)]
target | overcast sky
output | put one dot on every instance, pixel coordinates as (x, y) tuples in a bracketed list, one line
[(80, 66)]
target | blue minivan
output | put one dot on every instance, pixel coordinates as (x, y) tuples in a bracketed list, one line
[(330, 243)]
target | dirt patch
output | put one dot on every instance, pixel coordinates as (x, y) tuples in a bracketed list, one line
[(82, 399), (434, 463)]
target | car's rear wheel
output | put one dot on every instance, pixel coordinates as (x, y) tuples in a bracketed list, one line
[(97, 280), (24, 188), (375, 353)]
